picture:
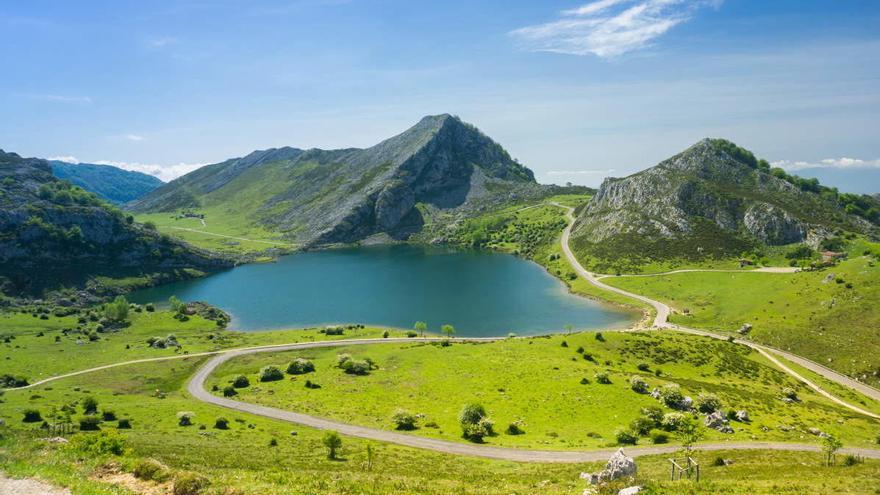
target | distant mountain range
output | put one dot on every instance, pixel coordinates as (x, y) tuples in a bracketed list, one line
[(53, 235), (438, 168), (110, 183), (715, 199)]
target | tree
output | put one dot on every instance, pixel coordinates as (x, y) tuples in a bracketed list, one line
[(177, 305), (333, 442), (448, 330), (690, 432), (568, 329), (420, 327), (117, 310), (474, 422), (90, 405), (830, 446), (404, 420)]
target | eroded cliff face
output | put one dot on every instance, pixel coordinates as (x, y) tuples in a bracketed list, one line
[(52, 233), (705, 187)]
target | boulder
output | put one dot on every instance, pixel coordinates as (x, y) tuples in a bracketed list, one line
[(632, 490), (655, 393), (745, 329), (717, 421), (742, 416), (817, 432), (686, 404), (619, 466)]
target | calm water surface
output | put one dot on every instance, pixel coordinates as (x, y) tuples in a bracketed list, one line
[(480, 293)]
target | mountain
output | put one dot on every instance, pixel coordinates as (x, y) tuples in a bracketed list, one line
[(316, 197), (53, 234), (713, 199), (107, 182)]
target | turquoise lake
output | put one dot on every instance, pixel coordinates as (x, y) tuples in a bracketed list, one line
[(480, 293)]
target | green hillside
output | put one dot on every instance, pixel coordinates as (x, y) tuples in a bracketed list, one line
[(107, 182)]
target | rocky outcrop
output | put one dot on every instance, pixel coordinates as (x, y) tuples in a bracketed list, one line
[(619, 466), (717, 421)]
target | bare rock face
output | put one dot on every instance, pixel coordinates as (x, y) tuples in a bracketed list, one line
[(619, 466), (717, 421), (773, 225)]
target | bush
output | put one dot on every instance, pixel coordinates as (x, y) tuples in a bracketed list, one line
[(356, 367), (32, 416), (104, 443), (404, 420), (638, 384), (852, 460), (150, 307), (341, 359), (184, 418), (600, 337), (644, 367), (270, 374), (719, 462), (124, 424), (625, 437), (221, 424), (790, 394), (241, 381), (659, 436), (412, 334), (385, 334), (189, 484), (333, 442), (90, 405), (150, 470), (333, 331), (671, 395), (641, 426), (515, 428), (708, 403), (10, 381), (672, 421), (229, 391), (603, 378), (474, 422), (89, 423), (300, 366), (653, 413)]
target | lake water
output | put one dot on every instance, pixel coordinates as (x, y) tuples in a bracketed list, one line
[(480, 293)]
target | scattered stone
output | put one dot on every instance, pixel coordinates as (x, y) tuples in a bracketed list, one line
[(619, 466), (817, 432), (57, 440), (655, 393), (632, 490), (717, 421), (742, 416), (745, 329), (686, 404)]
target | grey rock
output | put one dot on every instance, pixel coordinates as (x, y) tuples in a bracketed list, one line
[(745, 329), (618, 466), (742, 416), (717, 421), (632, 490)]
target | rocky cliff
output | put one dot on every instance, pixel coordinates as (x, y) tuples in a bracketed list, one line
[(317, 197), (55, 234)]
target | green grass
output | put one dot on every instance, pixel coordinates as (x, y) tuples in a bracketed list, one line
[(808, 313), (538, 382), (151, 395), (218, 223), (37, 357)]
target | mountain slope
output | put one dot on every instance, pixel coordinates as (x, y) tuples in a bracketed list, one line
[(107, 182), (317, 197), (53, 234), (712, 200)]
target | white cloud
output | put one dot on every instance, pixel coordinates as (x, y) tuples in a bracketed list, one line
[(599, 29), (67, 159), (163, 41), (62, 98), (164, 172), (580, 172), (843, 163), (134, 137)]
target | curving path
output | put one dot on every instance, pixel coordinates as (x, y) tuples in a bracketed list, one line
[(764, 269), (196, 387), (661, 320)]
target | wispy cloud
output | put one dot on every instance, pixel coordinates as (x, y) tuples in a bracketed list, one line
[(842, 163), (134, 137), (62, 98), (609, 28), (162, 41), (164, 172)]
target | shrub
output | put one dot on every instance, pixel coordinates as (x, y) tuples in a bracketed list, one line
[(600, 337), (412, 334), (385, 334), (852, 460), (515, 428), (625, 437), (790, 394), (273, 442), (104, 443), (671, 395), (333, 442), (643, 367), (89, 423), (579, 350), (32, 416), (708, 403), (229, 391), (638, 384), (108, 416), (356, 367), (585, 381), (474, 422), (124, 424), (150, 470), (184, 418), (654, 413), (300, 366), (333, 331), (189, 484), (603, 378), (221, 424), (719, 462), (341, 359), (312, 385), (672, 421), (150, 307), (404, 420), (90, 405), (564, 344), (9, 381), (641, 426), (659, 436), (241, 381), (270, 374)]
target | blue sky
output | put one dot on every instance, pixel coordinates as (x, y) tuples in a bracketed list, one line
[(577, 90)]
